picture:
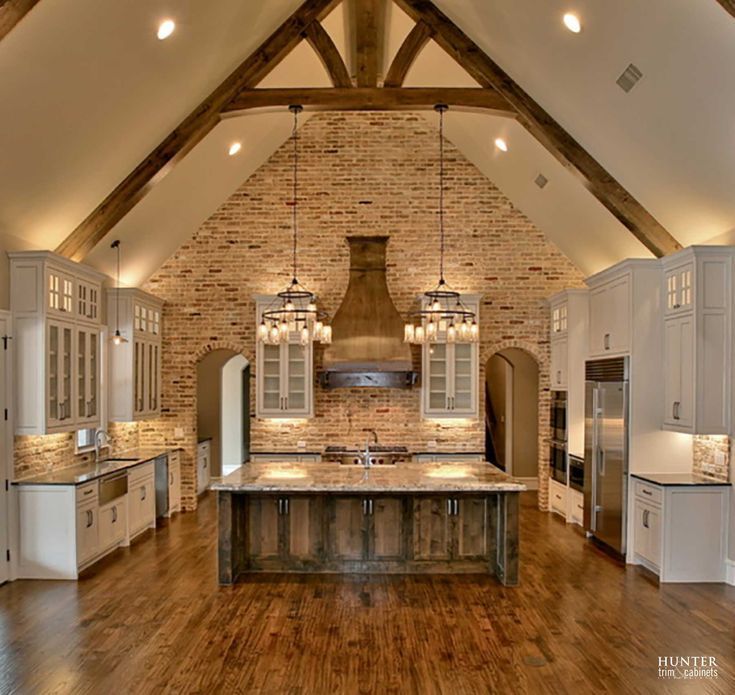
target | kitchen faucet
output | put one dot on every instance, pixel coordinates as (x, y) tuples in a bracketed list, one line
[(99, 433), (367, 447)]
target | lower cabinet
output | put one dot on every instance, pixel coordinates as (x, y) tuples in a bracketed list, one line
[(680, 531), (87, 532), (575, 507), (558, 498), (174, 482), (141, 499), (113, 523), (335, 533), (204, 473)]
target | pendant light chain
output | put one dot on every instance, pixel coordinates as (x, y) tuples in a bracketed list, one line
[(117, 338), (294, 135), (441, 194)]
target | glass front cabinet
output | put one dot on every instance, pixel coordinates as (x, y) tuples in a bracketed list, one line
[(450, 374), (135, 366), (284, 376), (55, 304)]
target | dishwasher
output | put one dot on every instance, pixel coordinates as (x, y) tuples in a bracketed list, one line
[(161, 473)]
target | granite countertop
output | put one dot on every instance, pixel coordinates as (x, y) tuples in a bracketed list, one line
[(285, 453), (669, 479), (83, 473), (402, 477)]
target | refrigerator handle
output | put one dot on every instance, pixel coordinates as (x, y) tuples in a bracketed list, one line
[(601, 461)]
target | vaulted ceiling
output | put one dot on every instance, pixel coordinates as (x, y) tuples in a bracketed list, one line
[(87, 91)]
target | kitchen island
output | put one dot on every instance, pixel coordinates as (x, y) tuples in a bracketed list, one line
[(406, 518)]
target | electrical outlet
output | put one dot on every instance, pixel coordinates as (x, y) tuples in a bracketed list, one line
[(301, 445), (719, 458), (178, 432)]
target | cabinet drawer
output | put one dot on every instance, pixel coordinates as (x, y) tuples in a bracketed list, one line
[(87, 493), (648, 492), (558, 498), (87, 524), (575, 514)]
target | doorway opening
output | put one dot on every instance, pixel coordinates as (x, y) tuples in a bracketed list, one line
[(223, 408), (511, 413)]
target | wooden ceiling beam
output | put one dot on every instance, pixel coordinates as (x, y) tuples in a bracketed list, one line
[(544, 128), (368, 24), (372, 99), (729, 6), (191, 130), (324, 47), (412, 45), (11, 12)]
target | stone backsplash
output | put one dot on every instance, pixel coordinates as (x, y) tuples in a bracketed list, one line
[(705, 456)]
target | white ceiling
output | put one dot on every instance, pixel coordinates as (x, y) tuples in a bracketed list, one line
[(86, 91)]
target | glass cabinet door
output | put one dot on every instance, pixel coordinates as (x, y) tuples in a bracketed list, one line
[(437, 386), (82, 395), (53, 411), (462, 396), (65, 372), (271, 385), (138, 375), (94, 382), (296, 382)]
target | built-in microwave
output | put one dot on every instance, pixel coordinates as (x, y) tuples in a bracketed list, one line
[(558, 461), (559, 416)]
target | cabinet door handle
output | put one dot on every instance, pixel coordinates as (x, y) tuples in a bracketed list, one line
[(170, 478), (114, 514), (645, 518), (607, 341), (88, 492), (646, 492), (370, 507), (280, 507), (558, 376), (285, 506), (364, 507), (449, 507), (456, 507), (675, 410), (90, 518), (142, 493)]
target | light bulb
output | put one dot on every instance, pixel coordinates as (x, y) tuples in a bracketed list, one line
[(431, 330), (283, 329), (451, 334), (274, 334), (571, 22), (409, 333), (318, 328), (235, 147), (289, 306), (419, 335), (165, 29), (311, 308), (463, 331), (304, 336), (435, 306), (474, 332), (262, 332), (501, 144), (327, 335)]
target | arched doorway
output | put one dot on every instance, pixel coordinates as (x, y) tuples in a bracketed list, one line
[(512, 413), (223, 407)]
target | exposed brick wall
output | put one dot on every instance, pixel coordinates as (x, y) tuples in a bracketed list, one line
[(33, 455), (360, 174), (703, 456)]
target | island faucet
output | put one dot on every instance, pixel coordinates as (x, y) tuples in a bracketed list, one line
[(366, 455), (99, 434)]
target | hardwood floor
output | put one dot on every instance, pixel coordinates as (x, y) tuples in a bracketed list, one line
[(152, 619)]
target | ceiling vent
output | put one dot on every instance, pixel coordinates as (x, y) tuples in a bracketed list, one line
[(541, 180), (629, 78)]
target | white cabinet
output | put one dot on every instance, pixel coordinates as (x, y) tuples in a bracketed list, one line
[(697, 285), (141, 499), (55, 303), (450, 374), (135, 366), (174, 482), (113, 524), (575, 507), (284, 376), (559, 364), (204, 472), (609, 317), (559, 318), (558, 498), (680, 531)]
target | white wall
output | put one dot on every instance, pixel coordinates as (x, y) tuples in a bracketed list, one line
[(232, 416)]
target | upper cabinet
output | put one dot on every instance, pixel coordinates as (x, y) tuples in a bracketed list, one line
[(697, 286), (609, 324), (284, 376), (135, 366), (56, 309), (450, 374)]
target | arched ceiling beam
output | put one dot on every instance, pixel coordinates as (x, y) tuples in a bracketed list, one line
[(324, 47), (544, 128), (372, 99), (191, 130), (11, 12), (416, 39)]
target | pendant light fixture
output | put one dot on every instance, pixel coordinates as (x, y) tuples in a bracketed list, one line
[(117, 338), (294, 309), (442, 310)]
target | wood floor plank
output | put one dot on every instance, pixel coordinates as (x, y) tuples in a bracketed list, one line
[(152, 619)]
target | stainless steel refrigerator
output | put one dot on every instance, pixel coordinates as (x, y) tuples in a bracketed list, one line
[(606, 451)]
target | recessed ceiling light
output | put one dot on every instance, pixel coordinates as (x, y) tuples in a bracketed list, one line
[(571, 22), (165, 29), (501, 144), (234, 148)]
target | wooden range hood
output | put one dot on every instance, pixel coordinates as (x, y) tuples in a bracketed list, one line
[(367, 347)]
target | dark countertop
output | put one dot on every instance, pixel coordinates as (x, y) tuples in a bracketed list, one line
[(286, 453), (677, 479), (83, 473), (448, 453), (403, 477)]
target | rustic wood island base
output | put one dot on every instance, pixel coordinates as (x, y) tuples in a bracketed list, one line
[(409, 518)]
